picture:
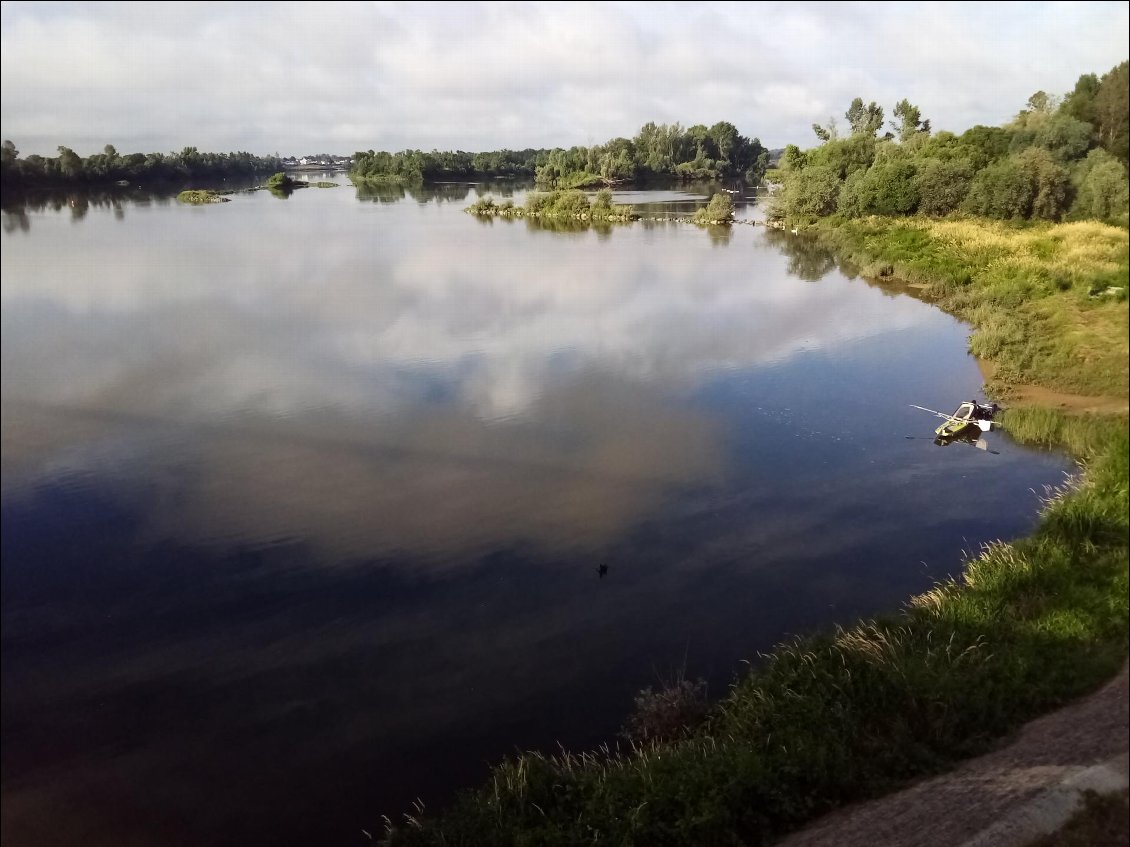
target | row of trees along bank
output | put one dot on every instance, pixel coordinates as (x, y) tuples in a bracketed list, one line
[(658, 151), (69, 168), (1059, 158)]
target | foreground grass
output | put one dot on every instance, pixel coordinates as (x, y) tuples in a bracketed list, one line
[(844, 715)]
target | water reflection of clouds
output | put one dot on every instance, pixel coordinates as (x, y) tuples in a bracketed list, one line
[(439, 388)]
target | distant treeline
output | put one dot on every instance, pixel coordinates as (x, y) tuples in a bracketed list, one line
[(658, 151), (415, 166), (69, 168), (1058, 158)]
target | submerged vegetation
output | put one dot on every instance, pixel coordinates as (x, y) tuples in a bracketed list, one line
[(844, 715)]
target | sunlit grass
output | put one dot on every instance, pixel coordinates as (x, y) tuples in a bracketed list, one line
[(1048, 302)]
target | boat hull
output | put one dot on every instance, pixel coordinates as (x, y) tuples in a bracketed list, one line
[(953, 429)]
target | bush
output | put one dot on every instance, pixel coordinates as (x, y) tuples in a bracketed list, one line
[(810, 192), (1102, 191), (571, 203), (678, 707), (942, 186), (720, 209)]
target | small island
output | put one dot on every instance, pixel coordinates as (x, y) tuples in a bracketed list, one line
[(201, 196), (572, 204)]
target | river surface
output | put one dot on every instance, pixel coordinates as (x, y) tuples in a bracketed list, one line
[(305, 499)]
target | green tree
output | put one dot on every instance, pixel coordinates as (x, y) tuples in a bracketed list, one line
[(829, 132), (1050, 184), (864, 120), (854, 200), (720, 209), (1112, 112), (846, 155), (9, 161), (890, 187), (909, 123), (726, 140), (809, 192), (1068, 138), (942, 185), (70, 163), (1000, 190), (1080, 103), (1102, 190)]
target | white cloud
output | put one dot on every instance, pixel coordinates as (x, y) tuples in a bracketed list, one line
[(346, 76)]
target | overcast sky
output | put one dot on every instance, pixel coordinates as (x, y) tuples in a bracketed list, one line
[(339, 77)]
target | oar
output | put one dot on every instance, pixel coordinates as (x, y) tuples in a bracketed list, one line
[(984, 426)]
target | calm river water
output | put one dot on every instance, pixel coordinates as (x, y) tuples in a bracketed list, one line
[(304, 499)]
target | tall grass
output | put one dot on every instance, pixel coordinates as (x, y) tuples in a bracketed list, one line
[(1048, 302)]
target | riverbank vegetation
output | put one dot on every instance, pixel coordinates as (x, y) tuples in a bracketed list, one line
[(1059, 159), (844, 715), (656, 152), (70, 169), (659, 151), (1047, 301)]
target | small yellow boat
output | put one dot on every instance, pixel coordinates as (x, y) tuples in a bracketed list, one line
[(968, 416)]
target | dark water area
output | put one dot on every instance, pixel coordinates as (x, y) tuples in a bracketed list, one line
[(304, 499)]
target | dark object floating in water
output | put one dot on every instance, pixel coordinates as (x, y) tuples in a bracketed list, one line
[(601, 571)]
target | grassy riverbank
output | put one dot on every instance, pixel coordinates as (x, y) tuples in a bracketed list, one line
[(840, 716), (1048, 302)]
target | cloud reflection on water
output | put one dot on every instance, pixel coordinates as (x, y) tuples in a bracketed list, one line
[(436, 390)]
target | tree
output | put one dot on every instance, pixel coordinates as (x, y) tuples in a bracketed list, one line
[(720, 209), (1102, 190), (1040, 103), (1066, 137), (1050, 183), (70, 164), (854, 200), (909, 121), (828, 132), (726, 139), (809, 192), (864, 120), (846, 155), (1000, 190), (792, 158), (985, 144), (1112, 115), (1080, 103), (942, 185), (893, 189)]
